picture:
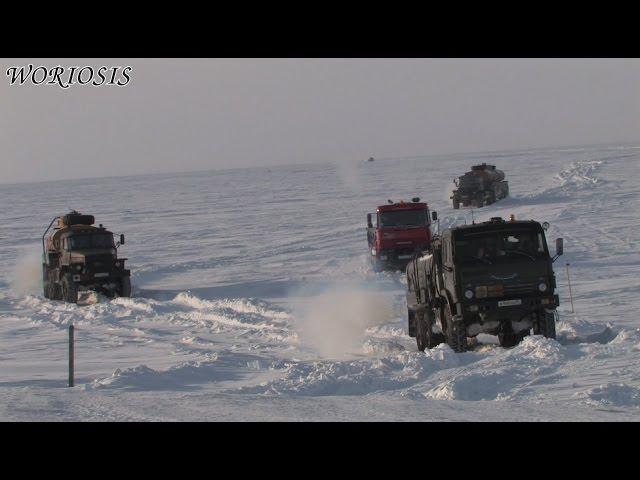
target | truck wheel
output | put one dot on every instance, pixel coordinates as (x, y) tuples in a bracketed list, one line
[(425, 336), (56, 291), (376, 265), (421, 332), (125, 287), (545, 324), (456, 335), (411, 316), (69, 290), (52, 289), (46, 286), (510, 339)]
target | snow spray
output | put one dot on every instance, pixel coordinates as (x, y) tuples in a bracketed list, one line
[(26, 276), (349, 174), (333, 320)]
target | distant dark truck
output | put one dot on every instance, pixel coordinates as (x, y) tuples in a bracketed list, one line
[(77, 257), (481, 186), (401, 229), (493, 277)]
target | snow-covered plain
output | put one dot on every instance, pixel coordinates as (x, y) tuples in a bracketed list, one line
[(253, 299)]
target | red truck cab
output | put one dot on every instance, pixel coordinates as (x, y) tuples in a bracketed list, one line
[(401, 229)]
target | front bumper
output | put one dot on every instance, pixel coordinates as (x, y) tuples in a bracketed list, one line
[(100, 277), (393, 261), (490, 315)]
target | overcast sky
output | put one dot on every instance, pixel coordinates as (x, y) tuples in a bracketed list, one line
[(199, 114)]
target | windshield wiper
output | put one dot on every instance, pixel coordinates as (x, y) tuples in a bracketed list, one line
[(485, 260), (520, 253)]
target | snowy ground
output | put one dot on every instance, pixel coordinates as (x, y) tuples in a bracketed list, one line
[(253, 299)]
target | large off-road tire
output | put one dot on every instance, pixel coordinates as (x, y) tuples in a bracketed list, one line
[(545, 324), (425, 337), (125, 287), (46, 285), (56, 291), (455, 334), (51, 287), (69, 289), (376, 264), (510, 339), (411, 323)]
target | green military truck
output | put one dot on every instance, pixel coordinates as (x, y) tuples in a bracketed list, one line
[(79, 257), (494, 277)]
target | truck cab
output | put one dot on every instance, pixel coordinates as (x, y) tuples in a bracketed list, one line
[(397, 231), (493, 277)]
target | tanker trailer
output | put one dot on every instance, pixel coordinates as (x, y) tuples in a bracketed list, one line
[(482, 185)]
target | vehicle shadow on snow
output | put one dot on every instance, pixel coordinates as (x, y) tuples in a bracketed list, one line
[(260, 289), (188, 376), (603, 337), (265, 289), (44, 383)]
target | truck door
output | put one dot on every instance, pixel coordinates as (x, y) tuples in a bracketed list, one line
[(448, 272)]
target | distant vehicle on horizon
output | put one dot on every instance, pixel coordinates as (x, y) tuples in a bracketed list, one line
[(482, 185)]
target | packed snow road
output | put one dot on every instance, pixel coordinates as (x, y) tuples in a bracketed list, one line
[(253, 299)]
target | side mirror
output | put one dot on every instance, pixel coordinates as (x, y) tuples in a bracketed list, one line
[(434, 216), (559, 246), (122, 239), (369, 223)]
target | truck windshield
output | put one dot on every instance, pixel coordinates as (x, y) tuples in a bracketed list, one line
[(500, 246), (80, 242), (403, 218)]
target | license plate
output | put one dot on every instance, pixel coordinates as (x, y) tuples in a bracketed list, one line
[(509, 303), (402, 257), (101, 275)]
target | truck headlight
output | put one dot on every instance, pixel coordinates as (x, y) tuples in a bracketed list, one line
[(468, 294), (79, 267), (542, 287), (118, 264)]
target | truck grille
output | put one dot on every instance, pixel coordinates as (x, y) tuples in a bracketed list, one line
[(100, 263), (519, 289)]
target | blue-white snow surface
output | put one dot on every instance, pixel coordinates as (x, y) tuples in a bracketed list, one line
[(253, 299)]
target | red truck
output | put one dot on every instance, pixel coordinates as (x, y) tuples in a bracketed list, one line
[(401, 229)]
